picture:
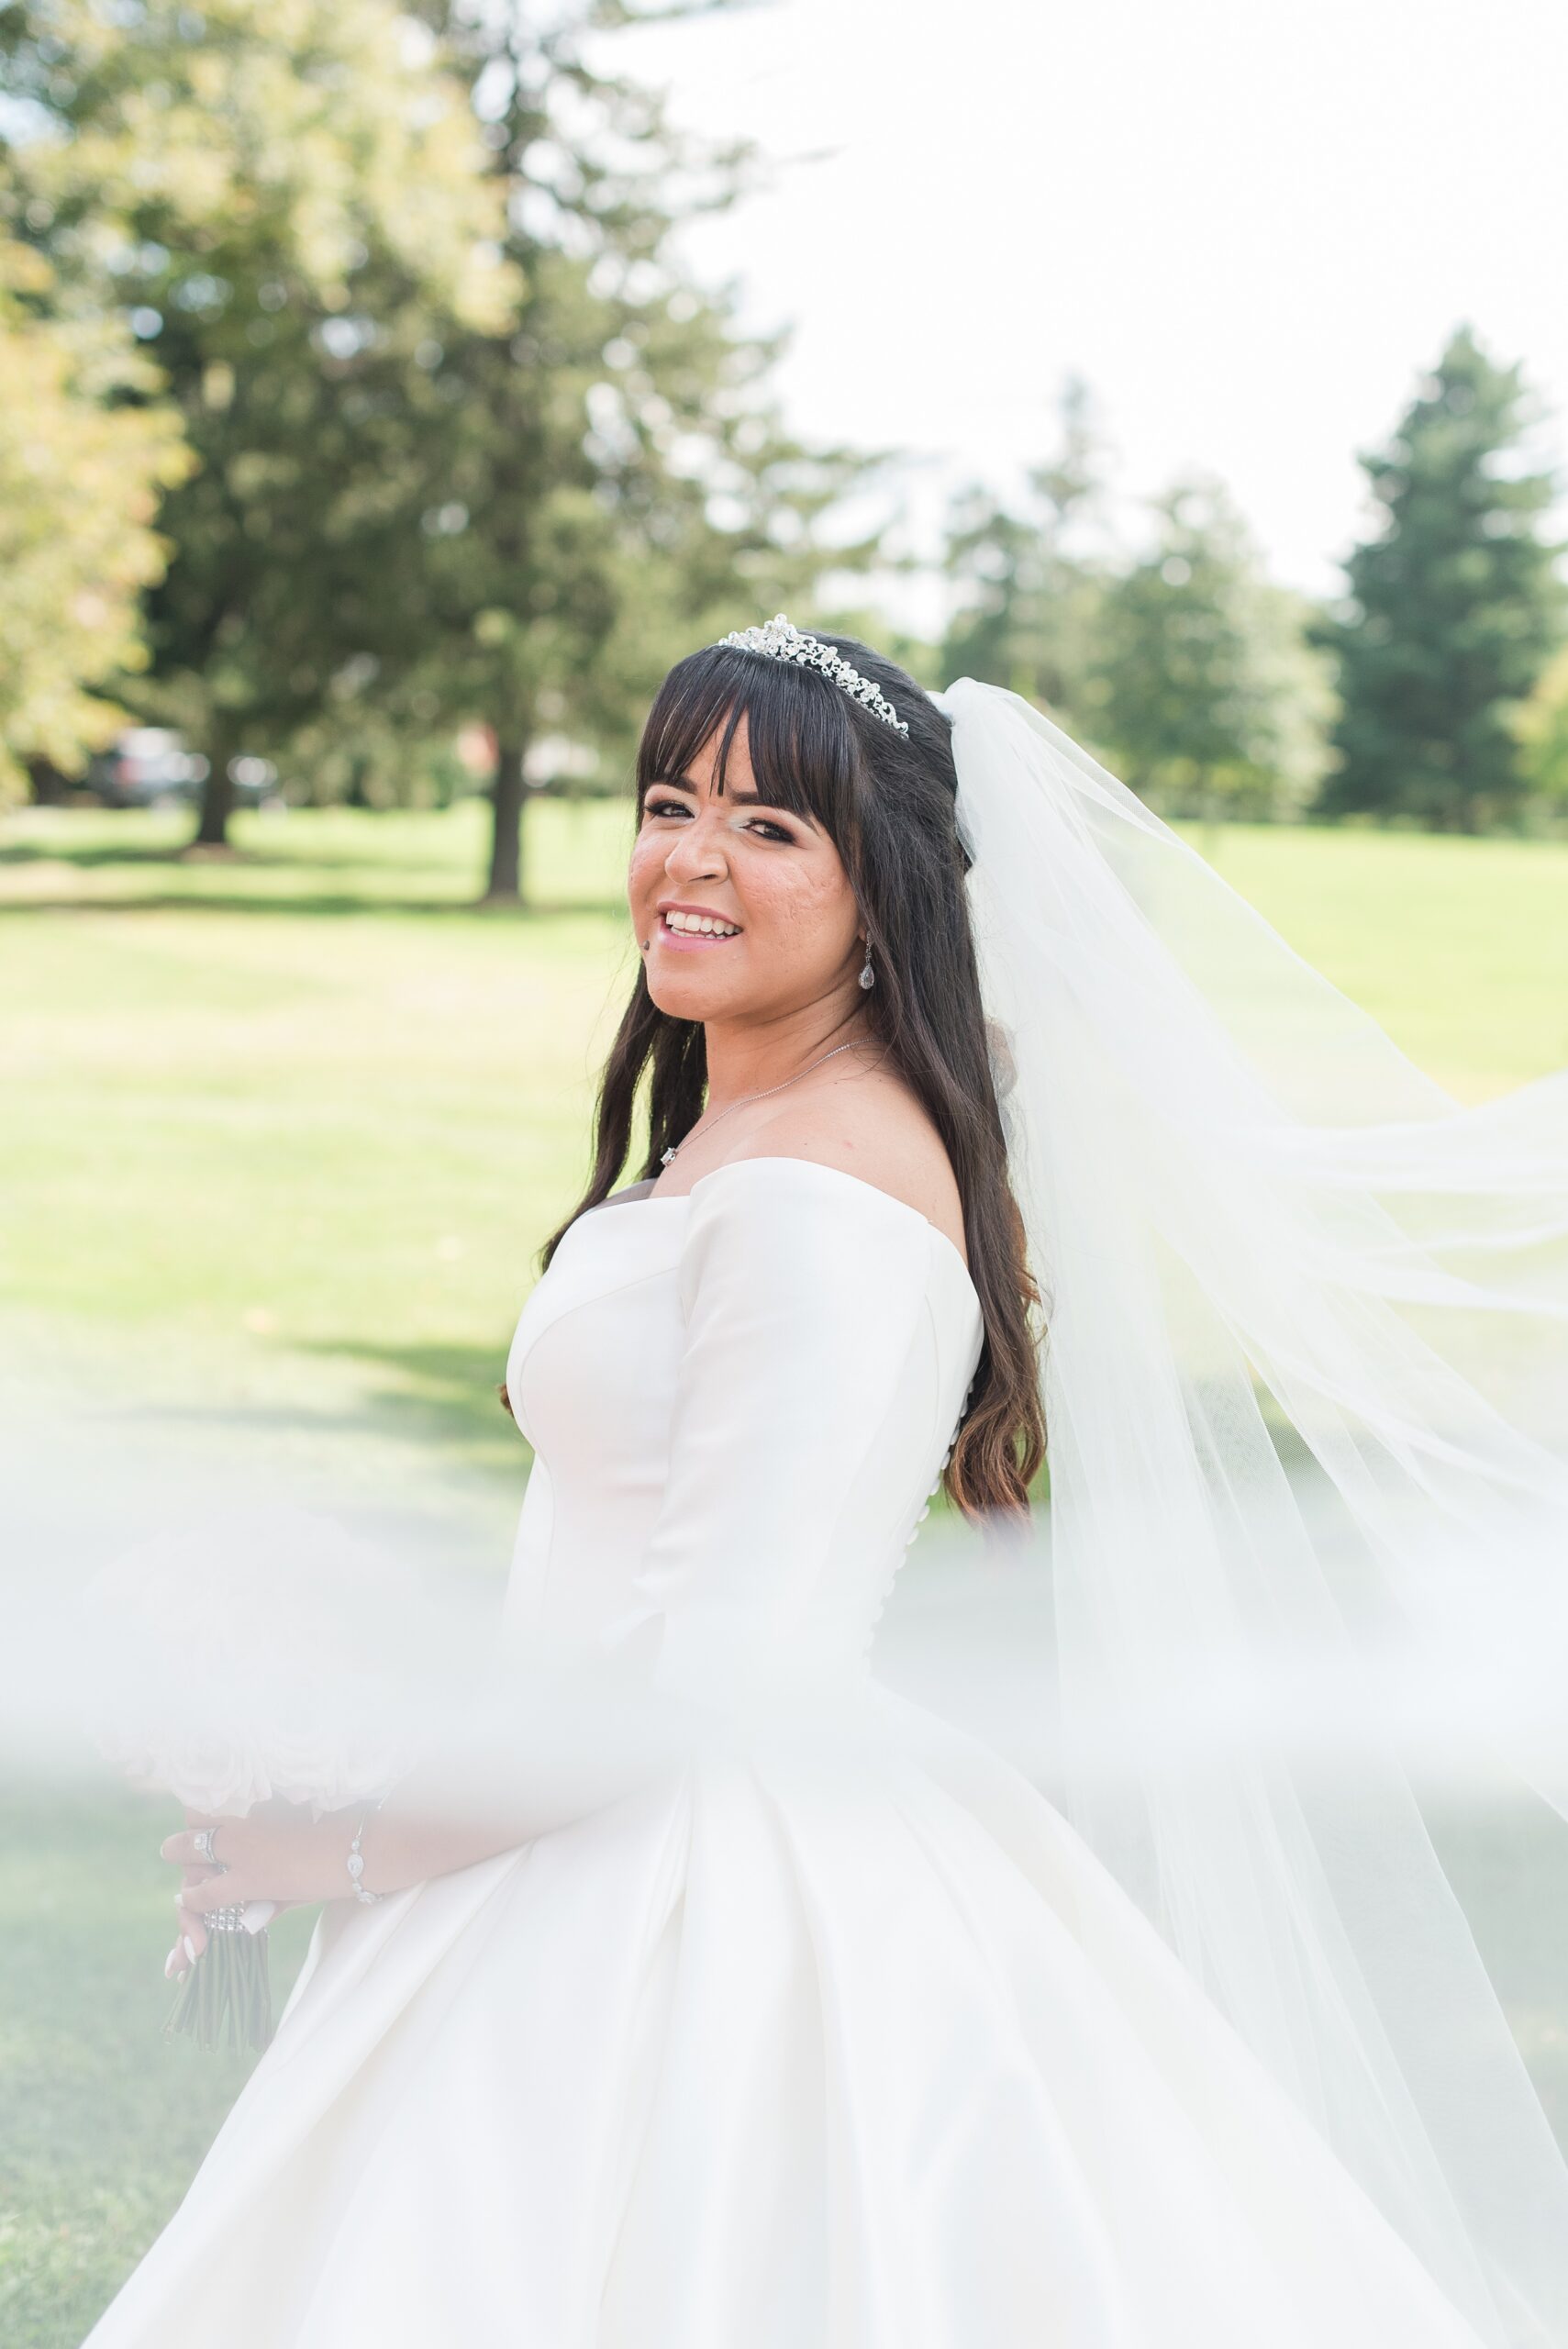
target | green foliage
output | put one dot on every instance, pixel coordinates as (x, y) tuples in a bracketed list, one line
[(1205, 697), (917, 654), (287, 205), (1541, 728), (1185, 668), (1028, 590), (468, 446), (84, 453), (620, 488), (1454, 608)]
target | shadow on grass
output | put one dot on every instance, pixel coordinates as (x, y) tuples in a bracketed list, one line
[(444, 1392), (365, 874), (288, 855), (470, 1421), (332, 906), (441, 1401), (88, 857)]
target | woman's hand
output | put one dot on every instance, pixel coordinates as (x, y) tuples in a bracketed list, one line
[(284, 1856)]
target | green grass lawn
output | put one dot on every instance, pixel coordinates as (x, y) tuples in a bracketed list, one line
[(1459, 948), (293, 1127), (277, 1153), (281, 1138)]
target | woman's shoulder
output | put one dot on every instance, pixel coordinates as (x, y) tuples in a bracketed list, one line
[(875, 1131)]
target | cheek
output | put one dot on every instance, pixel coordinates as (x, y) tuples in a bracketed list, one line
[(643, 872), (811, 906)]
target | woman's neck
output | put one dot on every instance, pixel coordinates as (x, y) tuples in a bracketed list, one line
[(751, 1056)]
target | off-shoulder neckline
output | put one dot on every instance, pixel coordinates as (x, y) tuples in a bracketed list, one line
[(817, 1166)]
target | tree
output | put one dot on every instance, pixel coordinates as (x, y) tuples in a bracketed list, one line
[(619, 483), (468, 446), (288, 205), (1207, 696), (1453, 607), (1030, 581), (1541, 726), (84, 453)]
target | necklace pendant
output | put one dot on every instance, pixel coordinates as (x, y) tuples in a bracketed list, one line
[(665, 1156)]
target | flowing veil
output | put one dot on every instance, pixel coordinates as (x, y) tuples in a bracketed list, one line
[(1306, 1376)]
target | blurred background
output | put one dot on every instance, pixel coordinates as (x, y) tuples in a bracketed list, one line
[(387, 395)]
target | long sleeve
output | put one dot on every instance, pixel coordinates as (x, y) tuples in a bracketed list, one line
[(804, 1294), (807, 1398)]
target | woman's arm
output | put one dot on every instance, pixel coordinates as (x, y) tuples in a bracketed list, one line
[(535, 1753), (801, 1293)]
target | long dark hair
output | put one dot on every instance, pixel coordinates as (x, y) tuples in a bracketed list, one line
[(886, 801)]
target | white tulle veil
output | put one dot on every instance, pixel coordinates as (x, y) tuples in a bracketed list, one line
[(1305, 1378)]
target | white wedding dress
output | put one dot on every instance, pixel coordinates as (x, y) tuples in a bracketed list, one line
[(848, 2047)]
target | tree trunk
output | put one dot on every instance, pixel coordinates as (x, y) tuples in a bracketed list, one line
[(46, 782), (509, 797), (217, 793)]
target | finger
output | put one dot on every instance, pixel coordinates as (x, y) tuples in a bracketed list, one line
[(191, 1938), (183, 1847), (226, 1891), (198, 1874)]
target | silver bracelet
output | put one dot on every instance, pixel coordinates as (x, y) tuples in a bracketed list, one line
[(356, 1862)]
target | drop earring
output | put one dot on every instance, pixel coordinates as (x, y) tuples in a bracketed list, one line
[(868, 976)]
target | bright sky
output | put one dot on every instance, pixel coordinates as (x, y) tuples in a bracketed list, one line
[(1251, 223)]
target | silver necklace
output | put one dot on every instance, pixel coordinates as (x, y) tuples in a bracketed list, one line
[(676, 1147)]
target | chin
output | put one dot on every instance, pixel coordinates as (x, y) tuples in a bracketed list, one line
[(690, 999)]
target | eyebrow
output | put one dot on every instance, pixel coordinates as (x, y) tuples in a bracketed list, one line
[(738, 799)]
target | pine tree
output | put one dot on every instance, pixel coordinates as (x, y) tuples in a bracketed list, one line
[(1207, 698), (1028, 578), (1453, 608), (1541, 730)]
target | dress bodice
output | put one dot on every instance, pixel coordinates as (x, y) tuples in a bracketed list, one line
[(740, 1400)]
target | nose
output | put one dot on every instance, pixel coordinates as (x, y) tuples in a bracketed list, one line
[(696, 852)]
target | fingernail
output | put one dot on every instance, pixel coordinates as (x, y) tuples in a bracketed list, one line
[(190, 1949), (168, 1965)]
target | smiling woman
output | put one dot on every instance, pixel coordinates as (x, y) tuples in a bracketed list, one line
[(796, 888)]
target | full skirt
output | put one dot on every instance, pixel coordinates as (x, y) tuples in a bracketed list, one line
[(873, 2054)]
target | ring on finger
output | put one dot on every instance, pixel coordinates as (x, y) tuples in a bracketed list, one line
[(204, 1848)]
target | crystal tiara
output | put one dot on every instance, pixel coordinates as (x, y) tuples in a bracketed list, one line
[(782, 640)]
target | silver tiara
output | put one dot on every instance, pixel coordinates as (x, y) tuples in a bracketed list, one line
[(784, 642)]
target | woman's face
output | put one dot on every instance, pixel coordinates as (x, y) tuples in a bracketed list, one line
[(789, 930)]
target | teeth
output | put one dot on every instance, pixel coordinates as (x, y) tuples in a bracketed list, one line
[(703, 925)]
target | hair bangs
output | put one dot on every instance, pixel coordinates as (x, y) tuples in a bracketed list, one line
[(800, 739)]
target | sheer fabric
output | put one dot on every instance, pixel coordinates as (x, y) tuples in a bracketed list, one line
[(1306, 1384)]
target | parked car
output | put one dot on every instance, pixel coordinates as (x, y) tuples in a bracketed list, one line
[(148, 766)]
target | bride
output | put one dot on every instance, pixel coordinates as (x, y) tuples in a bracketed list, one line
[(980, 1116)]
